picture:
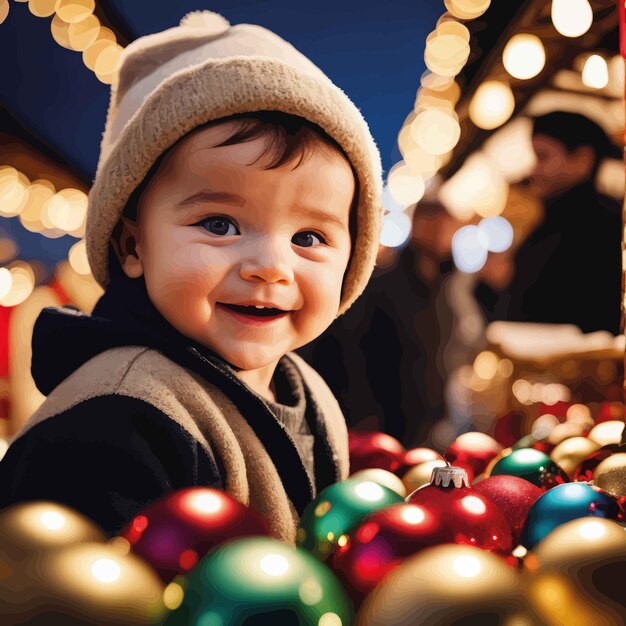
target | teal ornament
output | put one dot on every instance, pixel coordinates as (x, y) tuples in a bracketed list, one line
[(564, 503), (337, 510), (532, 465), (257, 581)]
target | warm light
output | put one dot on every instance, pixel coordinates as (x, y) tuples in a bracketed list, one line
[(522, 390), (524, 56), (52, 520), (592, 530), (595, 72), (486, 365), (467, 9), (607, 433), (529, 455), (446, 54), (436, 82), (60, 32), (369, 491), (66, 210), (23, 283), (412, 515), (572, 18), (473, 504), (42, 8), (492, 105), (329, 619), (452, 27), (422, 162), (107, 62), (6, 281), (466, 566), (469, 249), (406, 186), (13, 191), (342, 541), (274, 564), (106, 570), (436, 131), (322, 508), (204, 502), (520, 552), (173, 596), (72, 11), (395, 230), (39, 193), (83, 34)]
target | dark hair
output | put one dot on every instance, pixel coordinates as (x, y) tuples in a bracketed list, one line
[(573, 131), (291, 136)]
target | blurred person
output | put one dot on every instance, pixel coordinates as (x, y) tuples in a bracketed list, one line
[(569, 268), (383, 359)]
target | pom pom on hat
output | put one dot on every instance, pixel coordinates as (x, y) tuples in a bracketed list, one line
[(208, 20)]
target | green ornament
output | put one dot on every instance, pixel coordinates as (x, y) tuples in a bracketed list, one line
[(532, 465), (328, 520), (257, 581)]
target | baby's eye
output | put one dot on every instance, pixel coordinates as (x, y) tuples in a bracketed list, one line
[(219, 225), (307, 239)]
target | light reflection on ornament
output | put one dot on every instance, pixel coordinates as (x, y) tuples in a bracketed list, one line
[(274, 564), (466, 566)]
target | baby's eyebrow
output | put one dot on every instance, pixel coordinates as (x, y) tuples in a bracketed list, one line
[(212, 196)]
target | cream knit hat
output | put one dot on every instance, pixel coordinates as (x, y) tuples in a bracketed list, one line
[(203, 70)]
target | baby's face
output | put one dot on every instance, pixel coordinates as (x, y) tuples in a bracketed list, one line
[(217, 236)]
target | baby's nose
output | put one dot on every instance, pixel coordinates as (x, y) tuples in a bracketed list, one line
[(269, 262)]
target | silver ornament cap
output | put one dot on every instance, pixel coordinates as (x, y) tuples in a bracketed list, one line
[(443, 476)]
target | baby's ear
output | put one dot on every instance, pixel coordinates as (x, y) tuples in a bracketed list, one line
[(125, 246)]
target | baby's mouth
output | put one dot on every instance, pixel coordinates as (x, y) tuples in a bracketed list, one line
[(253, 310)]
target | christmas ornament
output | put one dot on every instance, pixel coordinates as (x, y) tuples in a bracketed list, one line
[(610, 475), (532, 465), (514, 496), (505, 452), (420, 475), (474, 519), (472, 451), (337, 510), (580, 414), (261, 581), (564, 431), (35, 527), (585, 471), (570, 453), (562, 504), (88, 583), (607, 432), (447, 584), (374, 449), (416, 456), (384, 478), (577, 573), (382, 541), (174, 532)]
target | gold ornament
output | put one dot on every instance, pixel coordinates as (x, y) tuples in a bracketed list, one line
[(35, 527), (419, 475), (576, 572), (447, 584), (90, 583), (610, 475), (564, 431), (382, 477), (570, 453), (606, 433)]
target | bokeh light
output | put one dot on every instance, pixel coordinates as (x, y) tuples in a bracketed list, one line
[(396, 229), (595, 72), (469, 249), (499, 233), (524, 56), (492, 105), (571, 18)]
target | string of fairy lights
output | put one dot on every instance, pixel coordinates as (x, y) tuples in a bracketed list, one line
[(39, 206), (432, 130)]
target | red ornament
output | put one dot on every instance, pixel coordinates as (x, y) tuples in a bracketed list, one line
[(513, 495), (174, 532), (382, 541), (415, 456), (474, 519), (472, 452), (374, 449)]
